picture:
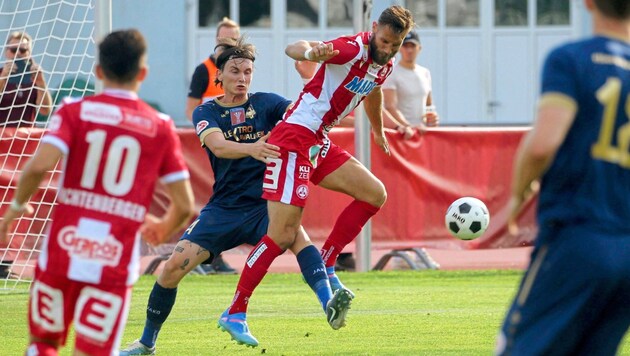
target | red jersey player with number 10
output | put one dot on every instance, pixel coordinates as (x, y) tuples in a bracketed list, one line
[(115, 147)]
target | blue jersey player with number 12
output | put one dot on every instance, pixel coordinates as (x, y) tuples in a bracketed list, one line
[(575, 296), (233, 129)]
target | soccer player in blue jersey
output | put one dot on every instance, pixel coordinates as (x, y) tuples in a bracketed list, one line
[(575, 296), (233, 129)]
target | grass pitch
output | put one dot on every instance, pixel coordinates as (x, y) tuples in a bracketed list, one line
[(394, 313)]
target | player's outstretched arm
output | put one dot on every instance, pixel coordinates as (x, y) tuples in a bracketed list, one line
[(222, 148), (311, 51), (44, 160), (155, 230)]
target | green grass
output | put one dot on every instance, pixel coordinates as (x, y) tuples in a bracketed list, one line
[(394, 313)]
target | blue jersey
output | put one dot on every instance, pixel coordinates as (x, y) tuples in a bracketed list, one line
[(589, 179), (238, 182)]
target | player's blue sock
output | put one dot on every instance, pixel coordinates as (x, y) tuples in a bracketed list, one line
[(161, 302), (314, 272)]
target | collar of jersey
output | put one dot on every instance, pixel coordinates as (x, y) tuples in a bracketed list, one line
[(121, 93)]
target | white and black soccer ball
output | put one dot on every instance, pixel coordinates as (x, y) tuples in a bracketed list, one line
[(467, 218)]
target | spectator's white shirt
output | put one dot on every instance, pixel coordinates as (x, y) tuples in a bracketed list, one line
[(412, 89)]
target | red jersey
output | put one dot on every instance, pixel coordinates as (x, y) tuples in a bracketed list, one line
[(339, 85), (116, 146)]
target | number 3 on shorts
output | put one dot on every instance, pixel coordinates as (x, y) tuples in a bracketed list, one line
[(272, 173)]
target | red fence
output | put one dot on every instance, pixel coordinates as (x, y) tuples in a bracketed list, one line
[(422, 176)]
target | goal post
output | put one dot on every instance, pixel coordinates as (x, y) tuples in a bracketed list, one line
[(64, 34)]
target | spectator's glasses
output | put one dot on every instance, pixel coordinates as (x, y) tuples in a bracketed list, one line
[(15, 49)]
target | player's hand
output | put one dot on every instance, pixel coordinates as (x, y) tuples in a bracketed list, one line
[(261, 150), (381, 141), (152, 230), (322, 52), (7, 221)]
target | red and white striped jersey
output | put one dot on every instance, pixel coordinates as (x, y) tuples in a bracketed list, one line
[(339, 85), (116, 146)]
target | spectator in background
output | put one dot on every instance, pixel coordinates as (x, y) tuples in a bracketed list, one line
[(202, 89), (407, 92), (574, 296), (91, 256), (22, 84)]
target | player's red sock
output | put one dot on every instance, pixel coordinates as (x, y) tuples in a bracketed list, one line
[(254, 271), (41, 349), (348, 225)]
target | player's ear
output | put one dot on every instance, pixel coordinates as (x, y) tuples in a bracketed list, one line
[(220, 75), (98, 70), (144, 70), (374, 26)]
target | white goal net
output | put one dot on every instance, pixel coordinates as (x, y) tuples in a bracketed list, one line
[(63, 46)]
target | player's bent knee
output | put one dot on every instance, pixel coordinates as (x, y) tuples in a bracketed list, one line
[(377, 195), (173, 273)]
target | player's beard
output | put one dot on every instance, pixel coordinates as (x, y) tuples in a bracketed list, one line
[(378, 57)]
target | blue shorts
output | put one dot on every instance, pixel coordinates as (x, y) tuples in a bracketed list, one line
[(219, 229), (575, 296)]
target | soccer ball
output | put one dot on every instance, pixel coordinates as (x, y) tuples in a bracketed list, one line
[(467, 218)]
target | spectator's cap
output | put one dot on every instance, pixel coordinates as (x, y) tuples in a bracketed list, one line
[(412, 37)]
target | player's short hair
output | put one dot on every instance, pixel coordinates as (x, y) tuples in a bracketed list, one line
[(120, 53), (399, 19), (229, 23), (232, 50), (616, 9), (19, 35)]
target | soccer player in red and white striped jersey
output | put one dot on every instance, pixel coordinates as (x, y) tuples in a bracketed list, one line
[(352, 69), (115, 147)]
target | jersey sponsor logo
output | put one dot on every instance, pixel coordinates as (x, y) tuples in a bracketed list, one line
[(101, 113), (304, 172), (302, 191), (201, 125), (237, 116), (360, 86), (139, 124), (47, 307), (98, 312), (107, 251), (254, 257)]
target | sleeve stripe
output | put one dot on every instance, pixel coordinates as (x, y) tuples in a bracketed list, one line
[(175, 176), (57, 142), (558, 99), (203, 135)]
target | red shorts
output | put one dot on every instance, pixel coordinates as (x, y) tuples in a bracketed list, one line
[(303, 158), (99, 313)]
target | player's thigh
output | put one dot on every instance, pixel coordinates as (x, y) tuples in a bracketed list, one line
[(50, 308), (352, 178), (100, 316), (567, 280), (255, 223), (186, 256), (216, 230), (284, 223), (97, 314)]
